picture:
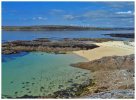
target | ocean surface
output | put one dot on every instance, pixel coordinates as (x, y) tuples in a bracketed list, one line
[(56, 35), (40, 73)]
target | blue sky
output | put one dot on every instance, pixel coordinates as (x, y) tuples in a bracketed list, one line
[(99, 14)]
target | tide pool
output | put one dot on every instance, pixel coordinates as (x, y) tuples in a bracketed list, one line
[(40, 74)]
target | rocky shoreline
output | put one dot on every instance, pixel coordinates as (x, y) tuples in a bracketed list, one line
[(111, 75), (45, 45)]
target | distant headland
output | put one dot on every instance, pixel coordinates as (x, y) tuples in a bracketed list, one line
[(57, 27)]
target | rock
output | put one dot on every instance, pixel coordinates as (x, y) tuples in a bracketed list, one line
[(108, 63), (113, 94), (126, 35), (9, 51), (111, 73), (44, 45)]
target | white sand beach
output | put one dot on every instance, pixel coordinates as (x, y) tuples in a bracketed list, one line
[(110, 48)]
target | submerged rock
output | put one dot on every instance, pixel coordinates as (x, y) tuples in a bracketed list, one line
[(73, 91), (11, 82)]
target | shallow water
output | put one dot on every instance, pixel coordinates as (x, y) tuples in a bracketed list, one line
[(40, 74)]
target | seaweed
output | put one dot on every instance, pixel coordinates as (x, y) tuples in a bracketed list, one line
[(27, 82), (23, 83), (29, 92), (60, 86), (12, 82), (41, 88)]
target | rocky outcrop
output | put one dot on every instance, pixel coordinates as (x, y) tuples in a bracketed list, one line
[(126, 35), (113, 94), (108, 63), (45, 45), (112, 76)]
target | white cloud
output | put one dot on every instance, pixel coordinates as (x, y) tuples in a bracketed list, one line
[(39, 18), (127, 12), (69, 17), (56, 11)]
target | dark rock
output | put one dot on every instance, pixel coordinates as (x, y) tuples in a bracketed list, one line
[(60, 47), (29, 96), (126, 35)]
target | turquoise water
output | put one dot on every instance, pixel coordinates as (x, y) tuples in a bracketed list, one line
[(26, 75)]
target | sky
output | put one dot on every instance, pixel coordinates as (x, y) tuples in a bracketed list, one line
[(96, 14)]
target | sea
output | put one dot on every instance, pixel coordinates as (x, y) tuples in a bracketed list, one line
[(41, 73)]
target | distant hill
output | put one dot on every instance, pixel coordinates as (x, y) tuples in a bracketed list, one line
[(56, 27)]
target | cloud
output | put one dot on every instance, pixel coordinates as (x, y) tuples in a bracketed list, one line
[(108, 14), (39, 18), (69, 17), (120, 5), (96, 14), (103, 17), (127, 12), (56, 11)]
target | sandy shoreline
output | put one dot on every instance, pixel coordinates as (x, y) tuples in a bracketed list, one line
[(110, 48)]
